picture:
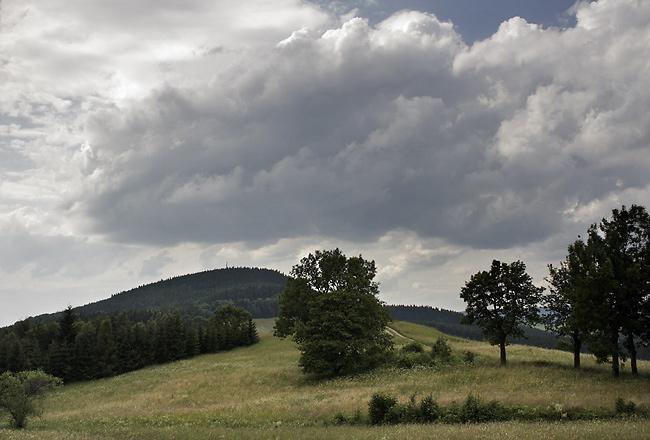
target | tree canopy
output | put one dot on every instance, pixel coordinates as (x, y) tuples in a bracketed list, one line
[(331, 310), (500, 301), (604, 287)]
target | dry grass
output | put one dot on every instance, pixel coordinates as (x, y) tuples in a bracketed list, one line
[(260, 392)]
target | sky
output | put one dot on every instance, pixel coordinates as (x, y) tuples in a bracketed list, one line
[(141, 140)]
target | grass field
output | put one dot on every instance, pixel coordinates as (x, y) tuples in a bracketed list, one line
[(259, 392)]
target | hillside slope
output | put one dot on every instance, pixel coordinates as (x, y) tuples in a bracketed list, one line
[(259, 392)]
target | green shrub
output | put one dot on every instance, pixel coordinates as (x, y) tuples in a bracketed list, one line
[(21, 393), (413, 347), (564, 345), (341, 418), (441, 350), (623, 407), (384, 409), (379, 407), (429, 410), (470, 357)]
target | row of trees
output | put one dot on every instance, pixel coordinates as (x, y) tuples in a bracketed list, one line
[(109, 345), (599, 295)]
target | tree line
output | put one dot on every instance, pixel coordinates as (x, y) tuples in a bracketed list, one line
[(599, 296), (105, 346)]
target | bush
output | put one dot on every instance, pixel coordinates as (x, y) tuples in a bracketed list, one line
[(564, 345), (623, 407), (429, 410), (441, 350), (470, 357), (20, 393), (379, 408), (341, 419), (384, 409), (413, 347)]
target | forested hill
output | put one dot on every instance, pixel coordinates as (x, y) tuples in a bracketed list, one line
[(199, 294), (196, 295)]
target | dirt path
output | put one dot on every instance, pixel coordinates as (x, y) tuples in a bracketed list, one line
[(397, 334)]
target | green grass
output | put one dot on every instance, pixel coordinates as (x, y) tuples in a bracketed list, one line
[(260, 392)]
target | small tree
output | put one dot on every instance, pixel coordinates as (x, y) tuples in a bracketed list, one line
[(21, 393), (330, 308), (500, 301)]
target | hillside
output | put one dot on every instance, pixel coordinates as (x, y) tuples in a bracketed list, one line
[(448, 322), (195, 295), (259, 392)]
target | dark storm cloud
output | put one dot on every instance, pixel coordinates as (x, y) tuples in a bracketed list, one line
[(360, 130)]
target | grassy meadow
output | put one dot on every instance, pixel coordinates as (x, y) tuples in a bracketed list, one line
[(259, 392)]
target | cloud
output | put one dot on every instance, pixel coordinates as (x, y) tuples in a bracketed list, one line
[(196, 134), (358, 130)]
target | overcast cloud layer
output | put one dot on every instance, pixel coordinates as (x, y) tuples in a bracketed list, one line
[(141, 140)]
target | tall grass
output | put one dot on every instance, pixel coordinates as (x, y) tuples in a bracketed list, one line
[(260, 392)]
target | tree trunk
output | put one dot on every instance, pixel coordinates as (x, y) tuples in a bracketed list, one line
[(577, 345), (502, 348), (615, 366), (631, 348)]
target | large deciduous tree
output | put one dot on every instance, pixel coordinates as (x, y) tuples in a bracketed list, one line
[(500, 301), (331, 310)]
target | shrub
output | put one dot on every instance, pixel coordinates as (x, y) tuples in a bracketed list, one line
[(441, 350), (470, 357), (475, 410), (413, 347), (341, 418), (564, 345), (20, 393), (623, 407), (429, 410), (379, 407)]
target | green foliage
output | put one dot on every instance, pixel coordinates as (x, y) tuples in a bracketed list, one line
[(21, 393), (342, 419), (111, 345), (476, 410), (441, 351), (379, 408), (384, 409), (429, 410), (330, 308), (413, 354), (600, 291), (501, 301), (470, 357), (563, 345), (624, 407), (413, 347)]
